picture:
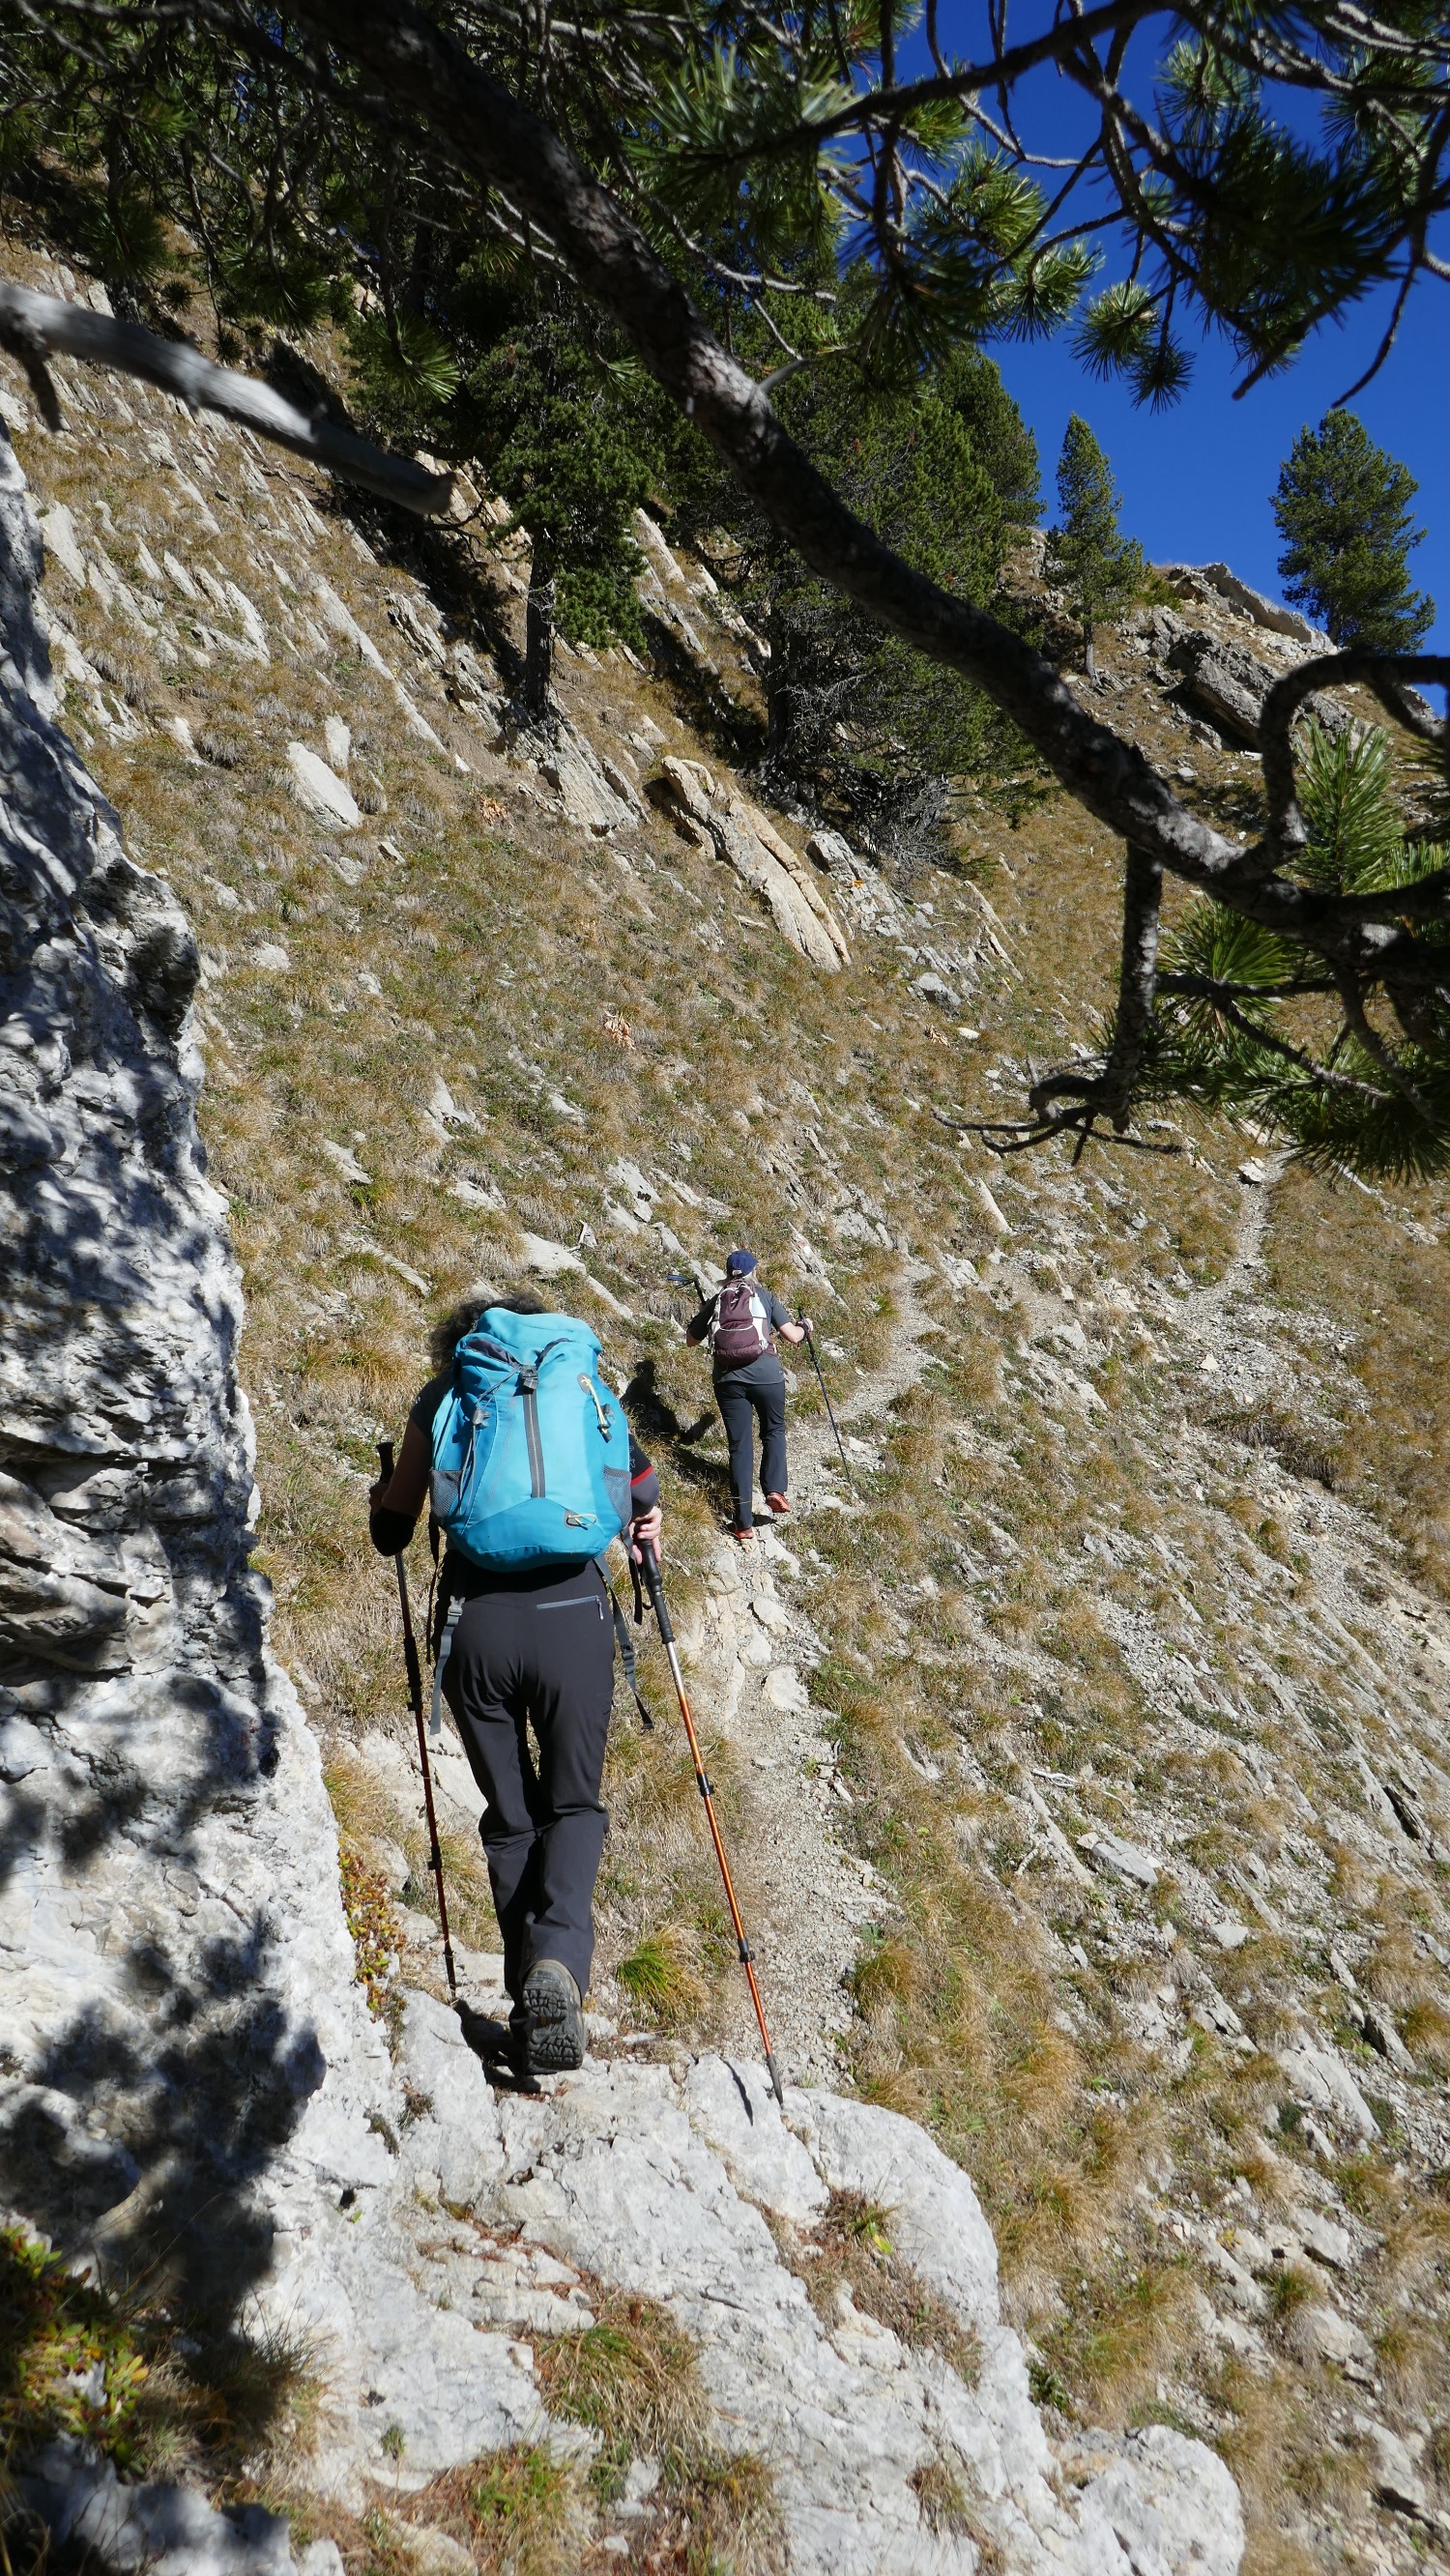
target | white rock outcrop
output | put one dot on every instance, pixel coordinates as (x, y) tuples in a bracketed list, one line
[(319, 788), (190, 2071), (748, 841)]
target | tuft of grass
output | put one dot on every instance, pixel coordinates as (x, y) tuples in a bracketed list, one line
[(945, 2510), (1289, 2288), (376, 1938), (633, 2378), (661, 1975), (1126, 2323), (851, 2243), (518, 2511)]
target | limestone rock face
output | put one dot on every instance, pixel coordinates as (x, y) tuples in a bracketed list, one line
[(656, 2179), (749, 843), (1232, 684), (188, 2062), (1269, 613)]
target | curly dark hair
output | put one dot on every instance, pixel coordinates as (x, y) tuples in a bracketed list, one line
[(461, 1320)]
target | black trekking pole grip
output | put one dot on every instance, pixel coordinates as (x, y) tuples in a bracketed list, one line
[(410, 1643), (650, 1565)]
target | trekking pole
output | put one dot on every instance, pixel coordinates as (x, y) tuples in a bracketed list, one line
[(816, 1365), (415, 1696), (655, 1589)]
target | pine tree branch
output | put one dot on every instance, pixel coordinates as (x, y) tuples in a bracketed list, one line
[(386, 61), (1388, 675), (890, 104), (33, 326), (1203, 988), (1377, 1051)]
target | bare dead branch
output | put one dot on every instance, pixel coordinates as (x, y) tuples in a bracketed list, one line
[(48, 324)]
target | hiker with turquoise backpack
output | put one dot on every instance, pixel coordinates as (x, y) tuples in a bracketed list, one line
[(531, 1471)]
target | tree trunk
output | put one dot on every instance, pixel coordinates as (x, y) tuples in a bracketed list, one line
[(779, 696), (539, 639), (1089, 656)]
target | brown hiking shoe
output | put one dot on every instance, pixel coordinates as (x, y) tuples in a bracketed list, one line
[(743, 1537), (778, 1504)]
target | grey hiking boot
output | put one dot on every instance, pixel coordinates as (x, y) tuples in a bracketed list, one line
[(554, 2037)]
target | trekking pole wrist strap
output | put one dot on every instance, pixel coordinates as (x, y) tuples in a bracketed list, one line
[(627, 1656), (445, 1649)]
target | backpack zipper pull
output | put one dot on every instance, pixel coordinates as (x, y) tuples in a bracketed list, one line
[(592, 1391)]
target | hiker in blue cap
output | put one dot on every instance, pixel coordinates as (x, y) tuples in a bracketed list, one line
[(739, 1325)]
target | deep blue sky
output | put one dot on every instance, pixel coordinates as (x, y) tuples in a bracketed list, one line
[(1196, 480)]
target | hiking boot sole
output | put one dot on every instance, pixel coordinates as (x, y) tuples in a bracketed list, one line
[(554, 2043)]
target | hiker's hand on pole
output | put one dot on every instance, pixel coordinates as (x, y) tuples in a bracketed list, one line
[(645, 1534)]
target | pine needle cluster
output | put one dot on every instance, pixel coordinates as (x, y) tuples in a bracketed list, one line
[(1247, 1022)]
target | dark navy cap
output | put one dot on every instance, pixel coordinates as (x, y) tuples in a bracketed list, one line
[(738, 1263)]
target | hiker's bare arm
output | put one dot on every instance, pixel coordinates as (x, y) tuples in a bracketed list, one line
[(407, 1488), (795, 1332), (645, 1532)]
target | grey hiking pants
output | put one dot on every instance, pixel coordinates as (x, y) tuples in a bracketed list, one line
[(539, 1656), (744, 1400)]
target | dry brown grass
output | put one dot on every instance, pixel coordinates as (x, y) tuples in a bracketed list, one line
[(632, 2378), (850, 2246), (1393, 1290)]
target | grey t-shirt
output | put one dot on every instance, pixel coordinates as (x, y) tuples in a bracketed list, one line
[(765, 1369)]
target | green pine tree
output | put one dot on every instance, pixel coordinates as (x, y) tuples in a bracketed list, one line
[(1343, 509), (571, 442), (515, 374), (1098, 568), (944, 466)]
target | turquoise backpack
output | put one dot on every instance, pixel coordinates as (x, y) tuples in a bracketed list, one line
[(530, 1449)]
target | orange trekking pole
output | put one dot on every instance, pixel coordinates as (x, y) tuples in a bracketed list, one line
[(655, 1589), (415, 1697)]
